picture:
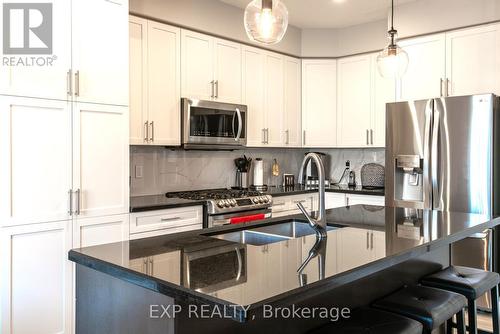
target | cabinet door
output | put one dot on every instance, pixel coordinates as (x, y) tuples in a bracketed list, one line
[(292, 108), (100, 51), (378, 244), (319, 106), (426, 68), (36, 252), (253, 94), (334, 200), (473, 60), (197, 65), (353, 199), (227, 69), (274, 100), (383, 92), (138, 53), (164, 84), (354, 101), (354, 248), (47, 77), (35, 160), (101, 230), (101, 159), (167, 266)]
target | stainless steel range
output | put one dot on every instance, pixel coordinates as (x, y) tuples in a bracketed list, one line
[(229, 206)]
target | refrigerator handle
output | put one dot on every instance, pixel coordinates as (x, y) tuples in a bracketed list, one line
[(427, 172), (435, 159)]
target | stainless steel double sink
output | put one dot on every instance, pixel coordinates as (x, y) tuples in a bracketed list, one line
[(263, 235)]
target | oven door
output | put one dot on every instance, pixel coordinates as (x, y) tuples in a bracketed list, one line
[(238, 217), (209, 123)]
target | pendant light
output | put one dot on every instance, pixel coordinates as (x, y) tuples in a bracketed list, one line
[(266, 21), (392, 62)]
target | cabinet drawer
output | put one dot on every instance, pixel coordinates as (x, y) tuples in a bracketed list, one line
[(166, 219)]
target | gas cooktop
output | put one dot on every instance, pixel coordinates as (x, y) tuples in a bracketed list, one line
[(226, 200)]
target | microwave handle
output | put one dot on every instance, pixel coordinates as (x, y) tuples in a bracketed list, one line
[(240, 264), (240, 124)]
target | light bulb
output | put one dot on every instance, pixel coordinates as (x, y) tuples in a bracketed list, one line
[(266, 21), (392, 62)]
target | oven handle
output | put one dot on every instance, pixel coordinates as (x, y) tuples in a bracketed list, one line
[(240, 263), (240, 125)]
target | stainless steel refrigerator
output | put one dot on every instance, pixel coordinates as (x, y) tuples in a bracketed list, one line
[(443, 154)]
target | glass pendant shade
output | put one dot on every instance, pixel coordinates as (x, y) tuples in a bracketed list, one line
[(392, 62), (266, 21)]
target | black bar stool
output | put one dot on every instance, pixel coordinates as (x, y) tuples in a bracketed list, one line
[(471, 283), (429, 306), (371, 321)]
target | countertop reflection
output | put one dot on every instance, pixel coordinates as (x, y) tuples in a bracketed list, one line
[(222, 271)]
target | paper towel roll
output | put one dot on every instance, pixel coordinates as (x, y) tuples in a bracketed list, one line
[(258, 172)]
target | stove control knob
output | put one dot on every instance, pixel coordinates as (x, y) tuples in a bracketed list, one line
[(227, 204), (261, 200), (265, 199), (220, 204), (233, 202), (255, 200)]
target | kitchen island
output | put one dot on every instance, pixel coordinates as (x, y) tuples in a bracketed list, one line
[(209, 281)]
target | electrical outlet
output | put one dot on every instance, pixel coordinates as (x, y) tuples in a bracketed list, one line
[(139, 171), (348, 163)]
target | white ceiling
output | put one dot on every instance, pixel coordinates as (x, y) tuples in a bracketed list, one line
[(331, 13)]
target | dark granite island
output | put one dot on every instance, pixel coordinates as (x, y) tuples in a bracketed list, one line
[(192, 282)]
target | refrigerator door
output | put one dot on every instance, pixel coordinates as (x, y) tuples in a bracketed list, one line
[(462, 154), (407, 171)]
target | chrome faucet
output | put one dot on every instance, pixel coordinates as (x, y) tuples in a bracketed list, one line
[(318, 223)]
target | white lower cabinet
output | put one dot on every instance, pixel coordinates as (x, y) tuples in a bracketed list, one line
[(100, 230), (29, 252), (287, 205), (334, 200), (358, 246), (158, 222), (354, 199), (160, 266)]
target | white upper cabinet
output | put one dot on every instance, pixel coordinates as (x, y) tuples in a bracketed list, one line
[(35, 160), (100, 51), (51, 79), (211, 68), (197, 66), (426, 69), (274, 100), (154, 83), (319, 103), (101, 159), (253, 64), (354, 80), (473, 61), (227, 71), (292, 107)]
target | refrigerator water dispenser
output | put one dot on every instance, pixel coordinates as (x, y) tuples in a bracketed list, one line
[(408, 177)]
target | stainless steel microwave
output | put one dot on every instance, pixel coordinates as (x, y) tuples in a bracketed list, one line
[(213, 125)]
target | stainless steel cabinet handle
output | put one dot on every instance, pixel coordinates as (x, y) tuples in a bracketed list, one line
[(371, 136), (77, 211), (151, 266), (367, 137), (304, 137), (216, 89), (371, 240), (152, 123), (146, 131), (278, 203), (347, 201), (77, 83), (263, 136), (367, 240), (287, 133), (212, 85), (267, 136), (441, 81), (300, 201), (448, 85), (170, 219), (240, 125), (145, 265), (69, 83), (70, 204)]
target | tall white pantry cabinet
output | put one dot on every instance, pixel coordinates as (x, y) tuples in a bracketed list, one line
[(64, 162)]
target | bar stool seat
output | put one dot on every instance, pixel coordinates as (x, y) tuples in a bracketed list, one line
[(470, 282), (429, 306), (367, 320)]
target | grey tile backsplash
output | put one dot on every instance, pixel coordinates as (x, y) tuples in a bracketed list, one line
[(156, 170)]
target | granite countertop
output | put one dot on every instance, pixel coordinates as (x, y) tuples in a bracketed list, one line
[(158, 202), (270, 271)]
